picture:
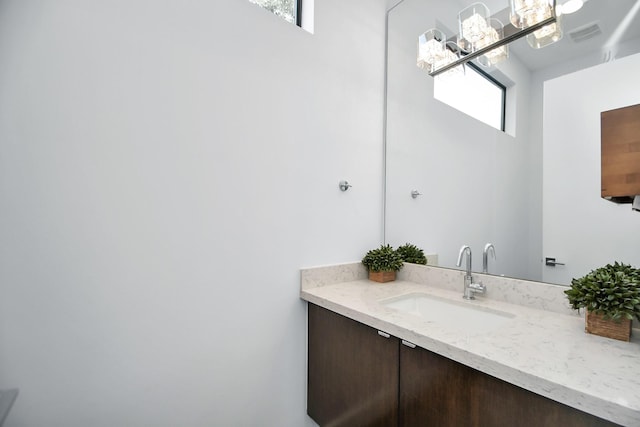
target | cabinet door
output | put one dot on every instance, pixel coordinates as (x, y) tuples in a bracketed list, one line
[(436, 391), (620, 154), (352, 372)]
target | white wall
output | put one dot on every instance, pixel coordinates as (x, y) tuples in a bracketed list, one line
[(538, 79), (474, 179), (580, 228), (165, 170)]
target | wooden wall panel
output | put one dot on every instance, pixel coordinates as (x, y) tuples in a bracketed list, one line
[(620, 152)]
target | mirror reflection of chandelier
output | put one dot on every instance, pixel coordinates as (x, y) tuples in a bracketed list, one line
[(484, 37), (525, 13)]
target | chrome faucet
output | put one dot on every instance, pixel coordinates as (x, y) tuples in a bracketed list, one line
[(470, 287), (485, 256)]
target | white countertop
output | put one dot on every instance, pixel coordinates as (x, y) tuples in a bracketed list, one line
[(546, 352)]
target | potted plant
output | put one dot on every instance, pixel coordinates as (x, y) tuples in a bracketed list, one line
[(411, 253), (382, 263), (611, 296)]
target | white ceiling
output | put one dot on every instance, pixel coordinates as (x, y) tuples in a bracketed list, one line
[(614, 17)]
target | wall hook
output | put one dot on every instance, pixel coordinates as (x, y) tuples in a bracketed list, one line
[(415, 194), (344, 185)]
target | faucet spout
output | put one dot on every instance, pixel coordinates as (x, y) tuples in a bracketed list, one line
[(485, 256), (465, 250), (470, 288)]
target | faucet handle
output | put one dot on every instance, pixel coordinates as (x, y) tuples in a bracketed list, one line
[(478, 288)]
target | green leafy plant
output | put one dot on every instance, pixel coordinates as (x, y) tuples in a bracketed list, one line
[(384, 258), (411, 253), (612, 291)]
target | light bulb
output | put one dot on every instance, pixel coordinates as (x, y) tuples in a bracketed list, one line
[(571, 6)]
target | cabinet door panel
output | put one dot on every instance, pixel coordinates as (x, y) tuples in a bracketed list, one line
[(433, 390), (500, 403), (436, 391), (352, 372), (620, 152)]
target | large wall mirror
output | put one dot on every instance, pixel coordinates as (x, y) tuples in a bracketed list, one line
[(532, 191)]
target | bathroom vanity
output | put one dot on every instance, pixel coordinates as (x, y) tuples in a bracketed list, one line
[(389, 354)]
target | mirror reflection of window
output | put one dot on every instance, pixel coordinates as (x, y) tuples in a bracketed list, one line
[(475, 93), (286, 9)]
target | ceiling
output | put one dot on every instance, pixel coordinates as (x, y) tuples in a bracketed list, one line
[(619, 21)]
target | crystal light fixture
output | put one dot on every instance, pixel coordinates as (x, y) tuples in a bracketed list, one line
[(473, 23), (431, 49), (525, 13), (546, 35), (434, 54), (495, 32), (449, 57), (485, 38)]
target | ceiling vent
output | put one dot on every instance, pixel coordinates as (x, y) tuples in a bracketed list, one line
[(585, 32)]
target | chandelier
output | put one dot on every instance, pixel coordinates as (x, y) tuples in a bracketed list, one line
[(486, 37)]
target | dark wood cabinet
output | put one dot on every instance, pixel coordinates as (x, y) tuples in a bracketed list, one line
[(436, 391), (357, 377), (352, 372), (433, 390)]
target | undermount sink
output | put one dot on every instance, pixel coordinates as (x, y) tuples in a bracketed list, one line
[(463, 315)]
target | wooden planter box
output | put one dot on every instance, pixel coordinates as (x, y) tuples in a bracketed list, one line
[(382, 276), (595, 324)]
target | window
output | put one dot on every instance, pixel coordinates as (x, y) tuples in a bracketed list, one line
[(474, 93), (289, 10)]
